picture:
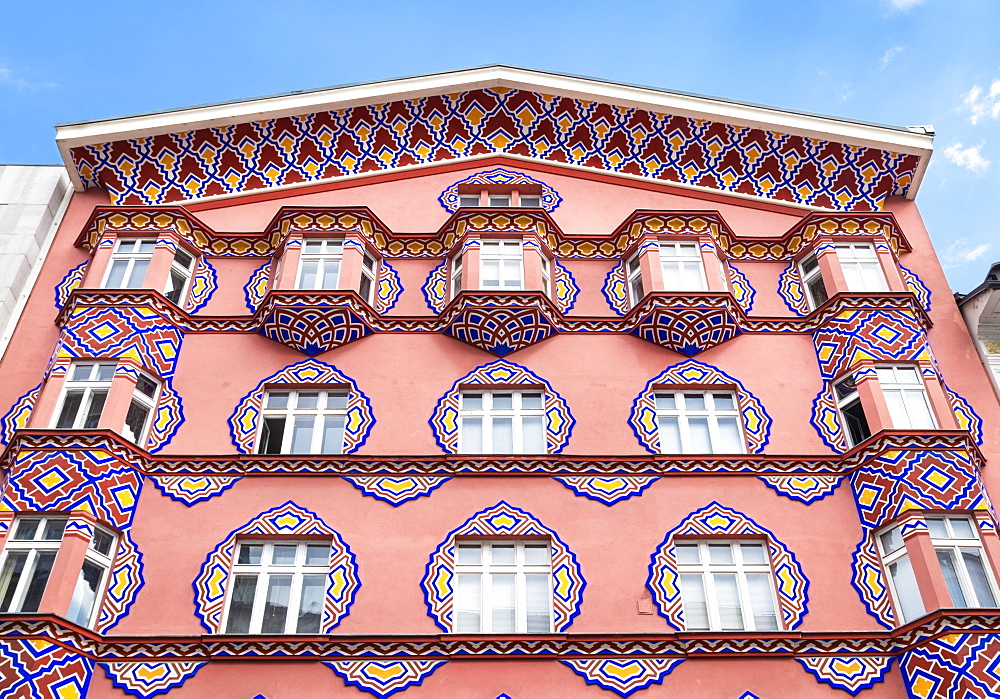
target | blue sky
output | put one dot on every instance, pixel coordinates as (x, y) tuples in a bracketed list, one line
[(900, 62)]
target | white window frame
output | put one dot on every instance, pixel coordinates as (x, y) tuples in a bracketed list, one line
[(892, 549), (291, 414), (179, 279), (809, 277), (861, 267), (369, 274), (466, 201), (685, 409), (500, 201), (845, 391), (100, 556), (955, 541), (264, 570), (503, 253), (90, 386), (144, 397), (905, 394), (141, 252), (34, 547), (320, 252), (690, 272), (455, 275), (636, 287), (707, 569), (546, 276), (535, 199), (490, 414), (479, 596)]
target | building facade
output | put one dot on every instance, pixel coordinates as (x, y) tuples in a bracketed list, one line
[(495, 383)]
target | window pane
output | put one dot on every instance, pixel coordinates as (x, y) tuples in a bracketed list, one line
[(973, 559), (105, 372), (491, 273), (250, 554), (503, 435), (730, 441), (138, 274), (694, 601), (241, 604), (918, 410), (694, 401), (472, 401), (26, 529), (817, 291), (302, 434), (907, 594), (101, 542), (665, 401), (331, 270), (468, 604), (277, 400), (10, 576), (54, 530), (531, 401), (317, 555), (946, 559), (472, 435), (502, 598), (536, 554), (95, 408), (146, 386), (85, 593), (117, 274), (537, 595), (39, 576), (468, 201), (70, 409), (333, 434), (761, 602), (279, 588), (502, 554), (720, 553), (723, 401), (271, 435), (687, 553), (365, 288), (699, 440), (135, 421), (533, 436), (670, 435), (283, 554), (311, 604), (307, 274), (533, 202), (727, 596), (512, 274), (469, 554), (307, 400), (753, 553), (962, 527), (503, 401), (937, 528)]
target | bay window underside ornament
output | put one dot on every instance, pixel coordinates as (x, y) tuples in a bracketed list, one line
[(501, 323), (313, 323), (623, 676), (686, 324)]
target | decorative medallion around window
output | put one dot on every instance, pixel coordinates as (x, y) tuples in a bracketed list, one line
[(500, 177)]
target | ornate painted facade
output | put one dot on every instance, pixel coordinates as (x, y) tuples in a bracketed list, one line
[(500, 384)]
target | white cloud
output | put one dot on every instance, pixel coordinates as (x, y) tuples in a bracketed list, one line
[(962, 251), (889, 54), (983, 104), (904, 5), (8, 77), (846, 91), (970, 158)]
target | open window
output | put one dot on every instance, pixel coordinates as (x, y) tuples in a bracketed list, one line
[(303, 422), (902, 389)]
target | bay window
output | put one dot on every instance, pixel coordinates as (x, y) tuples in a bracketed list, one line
[(27, 561), (963, 561), (902, 581)]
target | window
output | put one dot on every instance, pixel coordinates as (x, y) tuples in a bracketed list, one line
[(963, 561), (137, 418), (503, 587), (902, 581), (303, 422), (530, 201), (633, 274), (277, 587), (861, 267), (726, 586), (319, 264), (93, 577), (129, 263), (27, 561), (369, 273), (467, 200), (682, 267), (84, 394), (499, 200), (903, 388), (456, 274), (502, 422), (180, 276), (500, 265), (812, 280), (546, 277), (698, 422), (852, 412)]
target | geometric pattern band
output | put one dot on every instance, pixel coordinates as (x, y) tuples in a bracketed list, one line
[(148, 679)]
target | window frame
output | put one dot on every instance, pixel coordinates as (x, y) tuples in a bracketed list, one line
[(898, 555), (486, 568), (369, 274), (104, 560), (130, 258), (325, 392), (29, 567), (633, 278), (179, 294), (956, 546), (858, 271), (809, 277), (331, 251), (683, 262), (708, 569), (683, 414), (487, 414), (504, 254), (299, 569)]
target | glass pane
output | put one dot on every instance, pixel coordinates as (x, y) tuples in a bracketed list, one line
[(723, 401), (135, 421), (918, 410), (10, 575), (897, 409), (82, 372), (905, 584), (500, 201), (720, 553), (317, 555), (472, 435), (307, 274), (532, 202), (183, 259), (271, 435), (365, 289), (502, 594), (503, 435), (250, 554), (85, 593), (105, 372), (101, 542), (277, 400), (138, 274), (95, 408), (687, 553), (311, 604), (537, 589), (39, 576), (283, 554), (117, 274), (468, 604), (937, 528), (146, 386), (314, 247), (699, 440), (694, 601), (671, 276), (536, 554), (26, 529), (947, 560), (512, 274), (531, 401), (730, 440), (175, 284), (694, 401), (727, 596), (331, 271), (976, 568), (241, 604), (307, 400), (670, 435), (753, 553), (533, 435), (468, 201), (907, 374), (469, 554), (962, 528), (336, 401), (503, 401), (472, 401), (333, 434), (761, 602), (817, 291), (54, 530), (502, 554), (491, 274), (279, 588), (145, 245), (302, 434), (665, 401), (891, 540)]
